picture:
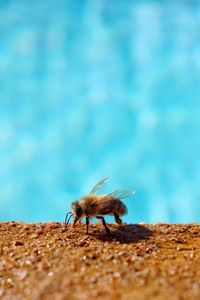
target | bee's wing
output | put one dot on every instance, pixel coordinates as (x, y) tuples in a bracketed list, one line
[(121, 194), (98, 186)]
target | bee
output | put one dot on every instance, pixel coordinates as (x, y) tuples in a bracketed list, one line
[(97, 206)]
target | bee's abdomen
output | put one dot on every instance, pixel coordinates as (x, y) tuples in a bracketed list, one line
[(120, 208)]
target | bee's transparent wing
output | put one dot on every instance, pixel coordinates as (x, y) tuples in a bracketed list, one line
[(98, 186), (122, 194)]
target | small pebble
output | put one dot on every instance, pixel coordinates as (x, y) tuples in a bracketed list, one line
[(82, 243), (9, 282), (35, 236), (18, 243), (28, 262), (27, 292)]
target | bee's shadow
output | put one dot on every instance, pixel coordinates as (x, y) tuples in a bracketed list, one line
[(126, 234)]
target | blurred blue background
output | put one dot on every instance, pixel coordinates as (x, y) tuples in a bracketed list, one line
[(92, 89)]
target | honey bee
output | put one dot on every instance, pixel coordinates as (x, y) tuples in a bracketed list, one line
[(98, 206)]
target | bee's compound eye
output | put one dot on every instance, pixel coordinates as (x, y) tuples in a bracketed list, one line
[(79, 211)]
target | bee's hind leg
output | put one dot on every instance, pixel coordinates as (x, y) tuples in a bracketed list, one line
[(104, 224), (117, 219)]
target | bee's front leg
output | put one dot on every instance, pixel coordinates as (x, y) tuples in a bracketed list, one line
[(87, 224)]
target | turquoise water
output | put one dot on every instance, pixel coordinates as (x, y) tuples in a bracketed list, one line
[(94, 89)]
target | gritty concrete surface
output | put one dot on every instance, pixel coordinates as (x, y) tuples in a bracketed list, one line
[(139, 261)]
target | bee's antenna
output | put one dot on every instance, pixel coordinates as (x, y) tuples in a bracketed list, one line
[(67, 221)]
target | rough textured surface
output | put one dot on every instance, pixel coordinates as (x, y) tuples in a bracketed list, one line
[(42, 261)]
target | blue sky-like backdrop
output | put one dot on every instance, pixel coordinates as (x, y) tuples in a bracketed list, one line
[(92, 89)]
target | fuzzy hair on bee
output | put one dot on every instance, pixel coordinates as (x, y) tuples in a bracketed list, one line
[(97, 206)]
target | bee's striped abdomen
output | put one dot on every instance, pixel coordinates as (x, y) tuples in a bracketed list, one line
[(120, 208)]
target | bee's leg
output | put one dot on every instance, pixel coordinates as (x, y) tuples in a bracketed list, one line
[(87, 224), (117, 219), (104, 224)]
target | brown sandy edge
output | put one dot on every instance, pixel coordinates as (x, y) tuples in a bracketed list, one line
[(139, 261)]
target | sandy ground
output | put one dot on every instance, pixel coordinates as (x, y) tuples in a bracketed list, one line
[(42, 261)]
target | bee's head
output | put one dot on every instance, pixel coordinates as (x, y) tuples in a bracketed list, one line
[(77, 211)]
